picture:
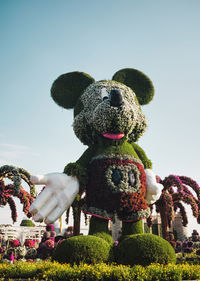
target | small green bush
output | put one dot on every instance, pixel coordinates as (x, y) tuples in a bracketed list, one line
[(145, 249), (87, 249), (28, 223), (107, 237)]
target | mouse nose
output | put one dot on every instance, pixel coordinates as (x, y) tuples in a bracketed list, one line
[(116, 98)]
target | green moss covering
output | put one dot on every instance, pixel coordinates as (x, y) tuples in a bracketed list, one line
[(82, 249), (129, 228), (98, 225), (68, 87), (138, 82), (76, 170), (105, 146), (145, 249), (142, 156)]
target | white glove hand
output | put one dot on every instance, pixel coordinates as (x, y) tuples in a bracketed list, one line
[(58, 195), (154, 189)]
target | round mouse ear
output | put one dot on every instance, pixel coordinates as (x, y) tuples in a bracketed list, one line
[(138, 82), (67, 88)]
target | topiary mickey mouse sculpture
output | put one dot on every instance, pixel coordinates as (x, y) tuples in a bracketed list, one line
[(114, 171)]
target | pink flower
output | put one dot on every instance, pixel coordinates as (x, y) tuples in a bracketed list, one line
[(14, 243), (29, 243)]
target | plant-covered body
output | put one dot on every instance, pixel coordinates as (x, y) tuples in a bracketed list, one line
[(114, 171), (116, 182)]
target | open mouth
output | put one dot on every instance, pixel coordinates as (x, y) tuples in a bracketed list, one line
[(114, 136)]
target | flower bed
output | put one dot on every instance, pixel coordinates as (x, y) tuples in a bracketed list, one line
[(54, 271)]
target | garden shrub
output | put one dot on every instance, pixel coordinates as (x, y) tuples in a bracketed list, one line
[(28, 223), (87, 249), (145, 249), (107, 237)]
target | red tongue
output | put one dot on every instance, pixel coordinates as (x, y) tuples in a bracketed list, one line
[(114, 136)]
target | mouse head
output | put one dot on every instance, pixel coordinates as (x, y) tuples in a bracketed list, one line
[(109, 109)]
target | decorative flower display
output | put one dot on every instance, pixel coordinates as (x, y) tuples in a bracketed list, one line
[(176, 190), (12, 173), (14, 243), (109, 119), (29, 243), (119, 185), (15, 189)]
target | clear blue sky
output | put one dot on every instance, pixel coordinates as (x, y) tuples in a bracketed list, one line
[(42, 39)]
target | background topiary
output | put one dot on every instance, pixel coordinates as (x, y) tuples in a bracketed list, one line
[(145, 249), (87, 249), (27, 223)]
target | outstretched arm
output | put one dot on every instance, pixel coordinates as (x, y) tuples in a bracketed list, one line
[(58, 195), (60, 189)]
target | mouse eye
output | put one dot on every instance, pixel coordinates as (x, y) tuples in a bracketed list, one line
[(104, 94)]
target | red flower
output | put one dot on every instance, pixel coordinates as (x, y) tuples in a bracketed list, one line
[(29, 243)]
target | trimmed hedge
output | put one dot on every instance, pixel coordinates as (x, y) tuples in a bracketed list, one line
[(107, 237), (87, 249), (98, 272), (145, 249)]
